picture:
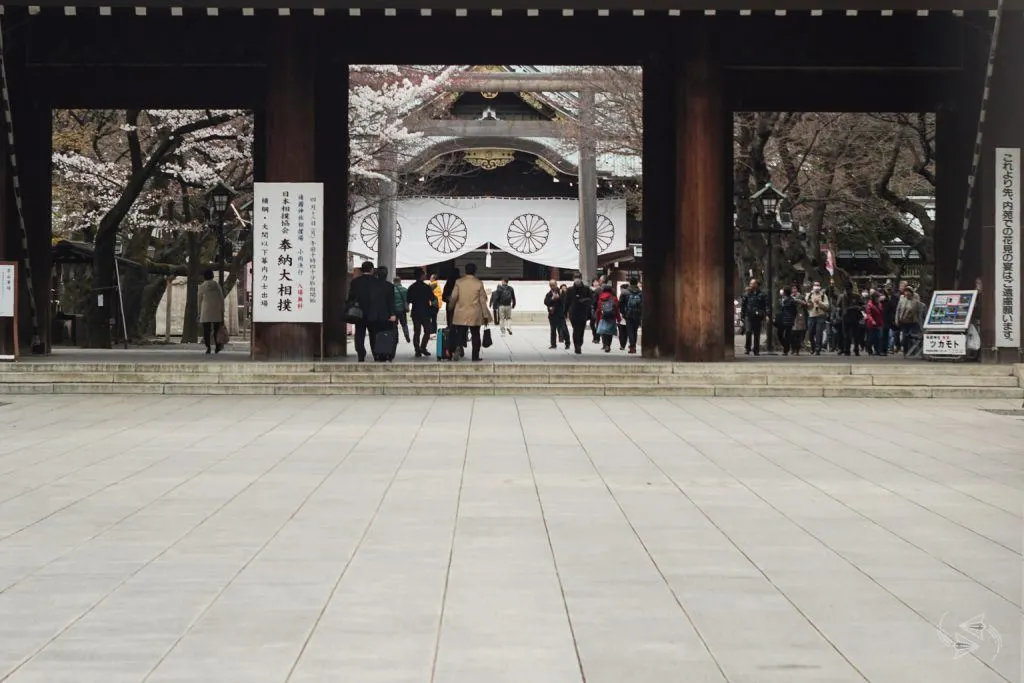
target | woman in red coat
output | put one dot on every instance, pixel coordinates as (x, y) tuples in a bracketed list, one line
[(607, 316), (874, 320)]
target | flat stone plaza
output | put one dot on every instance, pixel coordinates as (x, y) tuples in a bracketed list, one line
[(164, 539)]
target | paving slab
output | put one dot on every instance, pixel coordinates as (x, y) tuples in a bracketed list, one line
[(278, 539)]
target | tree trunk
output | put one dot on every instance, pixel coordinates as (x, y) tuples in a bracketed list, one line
[(97, 318), (190, 326), (152, 294)]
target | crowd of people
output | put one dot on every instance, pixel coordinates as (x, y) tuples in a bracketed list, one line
[(878, 321), (379, 308)]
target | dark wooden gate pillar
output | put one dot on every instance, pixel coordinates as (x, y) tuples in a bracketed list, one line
[(1004, 110), (332, 171), (659, 233), (702, 203), (290, 156), (956, 123), (33, 141)]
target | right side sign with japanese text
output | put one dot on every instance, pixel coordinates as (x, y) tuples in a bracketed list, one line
[(1007, 284)]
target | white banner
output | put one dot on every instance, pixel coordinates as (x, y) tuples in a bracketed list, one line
[(288, 252), (436, 229), (7, 289), (1007, 284)]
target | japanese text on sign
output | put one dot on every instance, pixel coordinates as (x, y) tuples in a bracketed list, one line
[(8, 276), (1007, 284), (287, 277)]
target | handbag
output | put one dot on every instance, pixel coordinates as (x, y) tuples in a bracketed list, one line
[(354, 314), (487, 341), (222, 335)]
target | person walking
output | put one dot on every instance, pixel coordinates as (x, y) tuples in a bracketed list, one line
[(607, 316), (889, 302), (423, 308), (211, 311), (376, 298), (632, 313), (622, 328), (785, 320), (875, 321), (753, 311), (851, 307), (800, 322), (446, 295), (555, 306), (595, 287), (908, 315), (817, 317), (468, 302), (505, 296), (580, 309), (402, 306), (494, 304)]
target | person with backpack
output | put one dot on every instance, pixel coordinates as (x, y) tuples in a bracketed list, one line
[(506, 299), (607, 316), (579, 306), (555, 305), (423, 308), (632, 312)]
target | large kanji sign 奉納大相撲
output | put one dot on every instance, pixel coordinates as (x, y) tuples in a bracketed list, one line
[(288, 252)]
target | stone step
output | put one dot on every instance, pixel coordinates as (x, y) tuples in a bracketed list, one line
[(503, 389), (430, 367), (554, 376)]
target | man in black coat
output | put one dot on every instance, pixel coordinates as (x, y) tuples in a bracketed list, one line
[(753, 310), (581, 307), (423, 306), (376, 298)]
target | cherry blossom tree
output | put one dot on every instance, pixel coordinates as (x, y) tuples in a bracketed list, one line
[(134, 174)]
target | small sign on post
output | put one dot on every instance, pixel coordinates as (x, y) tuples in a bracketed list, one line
[(949, 332), (8, 310)]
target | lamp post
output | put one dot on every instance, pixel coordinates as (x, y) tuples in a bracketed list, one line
[(766, 204), (218, 200)]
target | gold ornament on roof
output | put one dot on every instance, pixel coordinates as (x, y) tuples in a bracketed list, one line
[(489, 159)]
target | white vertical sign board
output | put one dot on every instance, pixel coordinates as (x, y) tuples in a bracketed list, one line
[(1007, 284), (7, 290), (288, 253)]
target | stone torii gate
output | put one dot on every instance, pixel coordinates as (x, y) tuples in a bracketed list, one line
[(287, 60)]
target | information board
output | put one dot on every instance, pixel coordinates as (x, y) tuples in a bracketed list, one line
[(8, 289), (951, 310), (288, 253), (945, 345)]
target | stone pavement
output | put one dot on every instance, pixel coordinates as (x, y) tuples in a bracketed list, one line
[(528, 344), (459, 540)]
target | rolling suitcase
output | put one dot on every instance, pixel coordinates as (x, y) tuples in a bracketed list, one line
[(385, 345), (441, 340)]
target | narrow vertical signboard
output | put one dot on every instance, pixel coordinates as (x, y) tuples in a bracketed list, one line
[(8, 310), (287, 253), (1007, 284)]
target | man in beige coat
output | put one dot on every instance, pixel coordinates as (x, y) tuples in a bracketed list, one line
[(468, 301), (211, 310)]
